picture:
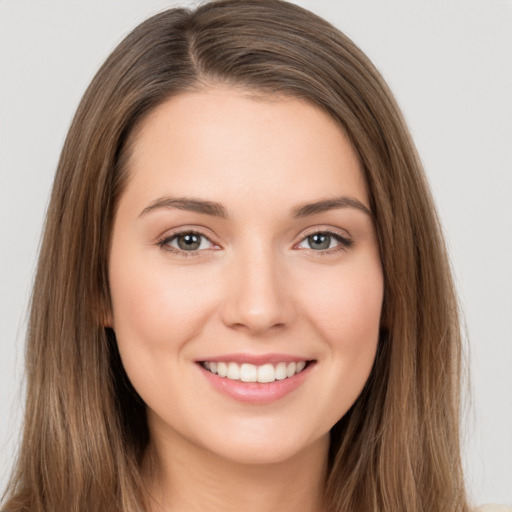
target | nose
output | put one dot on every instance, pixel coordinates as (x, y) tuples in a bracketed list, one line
[(257, 298)]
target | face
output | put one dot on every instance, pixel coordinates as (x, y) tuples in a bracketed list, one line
[(245, 275)]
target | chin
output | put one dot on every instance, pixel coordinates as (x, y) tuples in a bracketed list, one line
[(261, 447)]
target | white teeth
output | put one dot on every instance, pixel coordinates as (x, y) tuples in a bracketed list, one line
[(222, 369), (248, 373), (266, 373), (251, 373), (233, 371), (291, 369), (281, 371)]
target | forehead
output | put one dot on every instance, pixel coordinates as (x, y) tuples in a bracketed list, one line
[(224, 143)]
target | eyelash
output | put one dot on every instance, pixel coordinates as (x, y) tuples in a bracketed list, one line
[(164, 243), (343, 243)]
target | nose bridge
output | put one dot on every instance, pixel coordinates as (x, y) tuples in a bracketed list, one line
[(257, 298)]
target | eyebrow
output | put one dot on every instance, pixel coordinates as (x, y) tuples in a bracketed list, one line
[(187, 203), (217, 210), (329, 204)]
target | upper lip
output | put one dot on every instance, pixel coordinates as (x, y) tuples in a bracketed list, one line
[(256, 359)]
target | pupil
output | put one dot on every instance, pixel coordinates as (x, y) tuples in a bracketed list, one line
[(319, 241), (189, 242)]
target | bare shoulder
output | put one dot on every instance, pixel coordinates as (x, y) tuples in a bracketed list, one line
[(493, 508)]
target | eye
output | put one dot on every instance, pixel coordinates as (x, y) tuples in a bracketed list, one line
[(186, 242), (324, 241)]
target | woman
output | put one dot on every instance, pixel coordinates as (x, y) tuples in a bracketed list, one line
[(320, 374)]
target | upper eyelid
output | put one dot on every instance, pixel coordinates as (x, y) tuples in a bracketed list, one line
[(344, 241), (198, 233), (170, 233), (325, 229)]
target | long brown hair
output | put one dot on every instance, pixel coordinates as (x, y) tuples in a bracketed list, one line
[(85, 429)]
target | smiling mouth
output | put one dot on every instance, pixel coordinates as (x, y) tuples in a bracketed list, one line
[(247, 372)]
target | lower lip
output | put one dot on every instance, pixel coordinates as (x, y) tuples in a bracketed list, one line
[(256, 392)]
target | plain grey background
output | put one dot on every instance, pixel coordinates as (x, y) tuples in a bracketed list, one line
[(449, 63)]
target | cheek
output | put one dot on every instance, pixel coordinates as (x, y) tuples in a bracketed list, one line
[(345, 312), (156, 311), (346, 306)]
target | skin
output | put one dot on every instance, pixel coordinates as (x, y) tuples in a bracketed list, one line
[(256, 285)]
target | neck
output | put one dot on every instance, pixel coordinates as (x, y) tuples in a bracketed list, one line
[(190, 479)]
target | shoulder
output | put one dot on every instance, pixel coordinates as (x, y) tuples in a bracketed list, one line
[(493, 508)]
